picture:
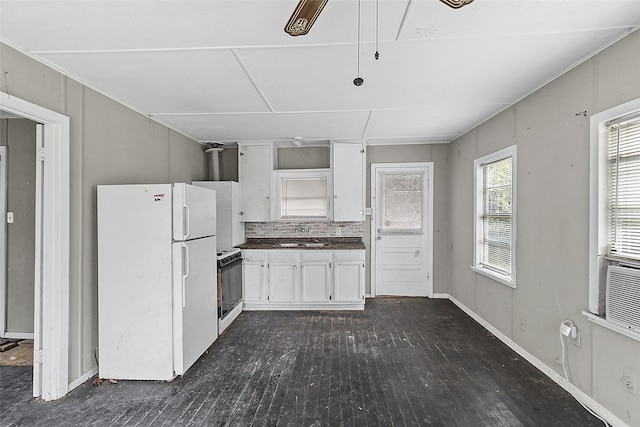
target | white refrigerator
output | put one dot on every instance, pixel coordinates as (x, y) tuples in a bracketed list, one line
[(157, 285)]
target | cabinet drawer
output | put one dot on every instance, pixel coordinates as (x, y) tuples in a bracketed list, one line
[(253, 256)]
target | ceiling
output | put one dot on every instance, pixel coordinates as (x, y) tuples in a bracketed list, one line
[(226, 71)]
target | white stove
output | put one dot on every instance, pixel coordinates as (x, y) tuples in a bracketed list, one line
[(221, 254), (229, 286)]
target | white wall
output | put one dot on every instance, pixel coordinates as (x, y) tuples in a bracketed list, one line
[(552, 224), (110, 144)]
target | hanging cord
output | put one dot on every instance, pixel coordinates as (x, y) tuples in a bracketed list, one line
[(358, 80), (358, 38), (566, 374), (377, 54)]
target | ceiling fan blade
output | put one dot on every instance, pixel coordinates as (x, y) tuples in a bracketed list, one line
[(304, 16), (456, 4)]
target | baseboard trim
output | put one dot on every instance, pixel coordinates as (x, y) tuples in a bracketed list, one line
[(302, 307), (440, 296), (75, 383), (578, 394), (18, 335)]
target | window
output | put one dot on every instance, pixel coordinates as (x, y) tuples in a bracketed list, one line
[(614, 236), (303, 194), (402, 203), (494, 249), (623, 210)]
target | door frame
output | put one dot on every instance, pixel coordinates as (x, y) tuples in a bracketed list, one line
[(51, 363), (429, 223), (3, 240)]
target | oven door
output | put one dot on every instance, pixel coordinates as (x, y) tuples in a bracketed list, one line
[(230, 286)]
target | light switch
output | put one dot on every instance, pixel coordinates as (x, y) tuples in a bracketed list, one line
[(9, 217)]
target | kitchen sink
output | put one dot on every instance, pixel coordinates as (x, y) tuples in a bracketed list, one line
[(314, 244), (317, 244)]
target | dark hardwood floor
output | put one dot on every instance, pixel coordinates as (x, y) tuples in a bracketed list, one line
[(403, 361)]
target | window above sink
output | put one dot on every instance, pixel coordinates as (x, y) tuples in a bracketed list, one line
[(303, 194)]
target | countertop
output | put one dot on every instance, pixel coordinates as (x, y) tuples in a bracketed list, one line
[(335, 243)]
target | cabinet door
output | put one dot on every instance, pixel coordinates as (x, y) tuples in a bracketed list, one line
[(315, 279), (237, 225), (254, 173), (348, 162), (283, 276), (253, 288), (348, 282)]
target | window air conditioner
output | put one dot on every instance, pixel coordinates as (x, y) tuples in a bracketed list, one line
[(623, 297)]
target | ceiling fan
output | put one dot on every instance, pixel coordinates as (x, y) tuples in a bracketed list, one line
[(307, 11)]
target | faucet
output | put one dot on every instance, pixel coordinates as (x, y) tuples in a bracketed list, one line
[(301, 228)]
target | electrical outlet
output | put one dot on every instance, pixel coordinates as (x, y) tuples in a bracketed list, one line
[(338, 231), (629, 381), (576, 341), (565, 329)]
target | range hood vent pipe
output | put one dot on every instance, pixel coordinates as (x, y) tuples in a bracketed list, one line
[(214, 160)]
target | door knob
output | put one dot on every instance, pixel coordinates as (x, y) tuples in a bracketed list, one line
[(379, 238)]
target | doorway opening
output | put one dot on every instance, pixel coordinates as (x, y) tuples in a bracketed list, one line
[(402, 229), (17, 240), (51, 251)]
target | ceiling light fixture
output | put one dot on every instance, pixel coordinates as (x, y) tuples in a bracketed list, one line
[(304, 16), (456, 4)]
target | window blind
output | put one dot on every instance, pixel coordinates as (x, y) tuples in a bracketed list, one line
[(624, 189), (497, 216), (304, 197)]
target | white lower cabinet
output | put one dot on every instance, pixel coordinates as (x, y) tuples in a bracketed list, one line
[(282, 271), (253, 276), (303, 279), (348, 277), (315, 276)]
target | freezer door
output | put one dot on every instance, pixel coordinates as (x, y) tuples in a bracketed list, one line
[(194, 212), (195, 300)]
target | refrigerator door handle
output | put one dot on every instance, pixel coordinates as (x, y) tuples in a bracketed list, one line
[(185, 270), (187, 220)]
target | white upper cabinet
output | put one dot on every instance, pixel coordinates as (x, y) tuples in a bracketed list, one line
[(348, 164), (263, 186), (255, 164)]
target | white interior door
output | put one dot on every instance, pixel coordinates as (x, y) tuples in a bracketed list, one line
[(38, 279), (402, 226), (3, 240)]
